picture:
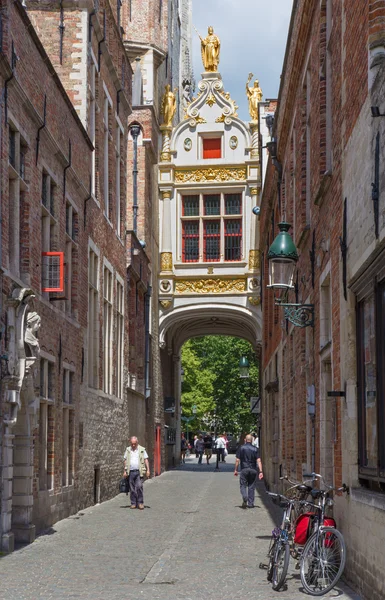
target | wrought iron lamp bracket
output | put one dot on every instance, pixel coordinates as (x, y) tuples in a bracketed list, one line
[(300, 315)]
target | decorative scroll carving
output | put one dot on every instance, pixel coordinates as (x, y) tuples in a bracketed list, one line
[(253, 259), (201, 175), (166, 261), (210, 286), (255, 301), (211, 100)]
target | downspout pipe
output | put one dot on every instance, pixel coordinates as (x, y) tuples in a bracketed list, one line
[(147, 342), (135, 131)]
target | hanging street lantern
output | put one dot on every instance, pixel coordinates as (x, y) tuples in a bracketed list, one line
[(282, 257), (243, 367)]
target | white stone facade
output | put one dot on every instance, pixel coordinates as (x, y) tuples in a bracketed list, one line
[(202, 293)]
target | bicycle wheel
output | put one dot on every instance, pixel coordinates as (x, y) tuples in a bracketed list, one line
[(281, 564), (271, 554), (322, 561)]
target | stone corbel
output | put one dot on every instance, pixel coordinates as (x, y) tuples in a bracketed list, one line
[(23, 351)]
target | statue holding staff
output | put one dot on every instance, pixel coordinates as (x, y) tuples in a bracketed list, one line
[(210, 48), (254, 95)]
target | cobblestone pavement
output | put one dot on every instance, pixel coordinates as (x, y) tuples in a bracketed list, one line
[(193, 541)]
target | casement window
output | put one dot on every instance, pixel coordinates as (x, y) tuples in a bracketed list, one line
[(119, 179), (108, 292), (17, 152), (308, 144), (119, 337), (211, 227), (212, 147), (49, 227), (371, 382), (93, 318), (92, 125), (68, 430), (106, 172), (71, 255), (46, 425)]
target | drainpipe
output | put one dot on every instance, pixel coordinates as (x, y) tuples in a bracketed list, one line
[(135, 131), (147, 342)]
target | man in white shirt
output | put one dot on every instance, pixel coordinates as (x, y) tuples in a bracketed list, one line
[(136, 467), (221, 446)]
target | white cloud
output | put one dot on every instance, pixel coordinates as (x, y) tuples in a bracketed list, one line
[(253, 36)]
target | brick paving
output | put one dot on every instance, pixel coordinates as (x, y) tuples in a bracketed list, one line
[(193, 541)]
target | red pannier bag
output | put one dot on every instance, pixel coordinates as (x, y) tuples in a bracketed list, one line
[(303, 526)]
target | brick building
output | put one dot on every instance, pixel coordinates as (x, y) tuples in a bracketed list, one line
[(78, 179), (66, 102), (323, 387), (158, 44)]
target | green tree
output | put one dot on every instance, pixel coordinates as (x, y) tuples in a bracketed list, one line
[(197, 389), (217, 358)]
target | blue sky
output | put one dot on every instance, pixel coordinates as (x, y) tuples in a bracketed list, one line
[(253, 36)]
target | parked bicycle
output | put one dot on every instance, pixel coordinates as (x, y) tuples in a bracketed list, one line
[(311, 537), (282, 542), (324, 555)]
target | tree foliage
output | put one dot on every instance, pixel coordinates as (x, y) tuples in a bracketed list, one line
[(212, 384)]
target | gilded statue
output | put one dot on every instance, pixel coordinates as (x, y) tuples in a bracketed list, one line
[(254, 95), (168, 108), (210, 48)]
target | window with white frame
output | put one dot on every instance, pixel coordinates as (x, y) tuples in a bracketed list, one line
[(48, 222), (211, 226), (106, 183), (308, 145), (325, 312), (92, 126), (108, 293), (46, 425), (119, 337), (93, 318), (119, 178), (17, 152), (68, 431), (71, 249)]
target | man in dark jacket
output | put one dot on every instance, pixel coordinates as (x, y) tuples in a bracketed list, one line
[(248, 457)]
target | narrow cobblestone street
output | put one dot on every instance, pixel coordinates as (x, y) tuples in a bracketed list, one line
[(193, 541)]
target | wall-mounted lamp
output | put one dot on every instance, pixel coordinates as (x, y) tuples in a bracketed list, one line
[(376, 112), (243, 367), (283, 257)]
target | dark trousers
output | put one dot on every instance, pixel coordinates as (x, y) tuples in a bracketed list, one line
[(200, 454), (136, 488), (247, 481), (221, 454)]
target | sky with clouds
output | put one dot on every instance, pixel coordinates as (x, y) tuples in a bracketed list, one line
[(253, 36)]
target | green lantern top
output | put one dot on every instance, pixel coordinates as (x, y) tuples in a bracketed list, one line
[(283, 245)]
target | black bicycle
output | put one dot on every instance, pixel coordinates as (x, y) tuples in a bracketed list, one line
[(282, 539)]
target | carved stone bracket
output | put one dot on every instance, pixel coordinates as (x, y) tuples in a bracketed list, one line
[(23, 351)]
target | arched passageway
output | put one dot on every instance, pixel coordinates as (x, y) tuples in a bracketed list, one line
[(181, 324)]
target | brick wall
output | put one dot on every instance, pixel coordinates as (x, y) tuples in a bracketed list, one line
[(314, 185)]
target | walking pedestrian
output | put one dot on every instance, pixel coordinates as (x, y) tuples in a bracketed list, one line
[(221, 447), (136, 467), (199, 447), (208, 440), (248, 457), (183, 449), (195, 446)]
